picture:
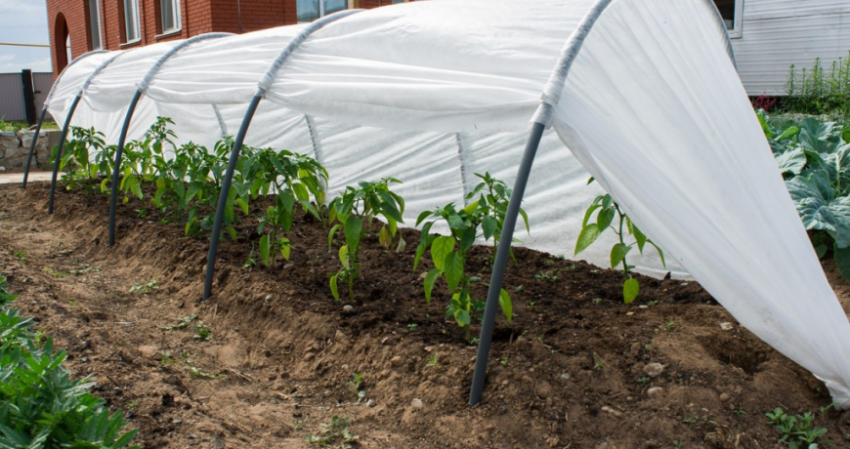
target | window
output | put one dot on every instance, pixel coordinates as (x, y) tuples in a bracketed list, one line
[(732, 12), (169, 15), (96, 39), (310, 10), (131, 20)]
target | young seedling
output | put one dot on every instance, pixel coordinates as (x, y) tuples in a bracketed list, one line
[(183, 323), (144, 287), (250, 262), (54, 273), (355, 209), (608, 210), (740, 410), (84, 268), (432, 361), (797, 431), (355, 386), (21, 255), (166, 358), (202, 331), (336, 434), (548, 276)]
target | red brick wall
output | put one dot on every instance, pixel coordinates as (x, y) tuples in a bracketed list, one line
[(197, 17)]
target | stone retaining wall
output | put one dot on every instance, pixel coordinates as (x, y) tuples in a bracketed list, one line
[(14, 148)]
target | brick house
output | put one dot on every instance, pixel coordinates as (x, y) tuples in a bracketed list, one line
[(80, 26)]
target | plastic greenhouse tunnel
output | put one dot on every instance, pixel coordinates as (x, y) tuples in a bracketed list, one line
[(642, 95)]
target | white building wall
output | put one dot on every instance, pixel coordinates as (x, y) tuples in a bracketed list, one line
[(778, 33)]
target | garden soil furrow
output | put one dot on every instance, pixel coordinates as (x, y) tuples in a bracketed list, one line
[(575, 369)]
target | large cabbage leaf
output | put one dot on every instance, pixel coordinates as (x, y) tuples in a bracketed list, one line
[(820, 208)]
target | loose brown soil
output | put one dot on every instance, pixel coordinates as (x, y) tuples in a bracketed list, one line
[(567, 373)]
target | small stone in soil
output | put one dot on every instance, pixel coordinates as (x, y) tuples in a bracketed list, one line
[(653, 369), (611, 411), (348, 308), (396, 361), (726, 326), (654, 391), (725, 397), (177, 421), (416, 403)]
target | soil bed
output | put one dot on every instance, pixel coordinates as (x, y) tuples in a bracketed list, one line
[(571, 371)]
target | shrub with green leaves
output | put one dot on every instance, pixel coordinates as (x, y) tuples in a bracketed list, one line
[(819, 89), (296, 179), (814, 158), (40, 405), (449, 254), (609, 215), (355, 209)]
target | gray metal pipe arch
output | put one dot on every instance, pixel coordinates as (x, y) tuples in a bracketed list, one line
[(263, 87), (542, 119), (44, 111), (67, 124), (141, 88)]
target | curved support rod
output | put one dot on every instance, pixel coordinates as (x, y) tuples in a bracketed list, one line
[(32, 145), (58, 156), (116, 170), (44, 110), (501, 263), (263, 86), (542, 117), (142, 87), (225, 189)]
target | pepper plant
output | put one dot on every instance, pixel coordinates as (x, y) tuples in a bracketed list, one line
[(86, 157), (449, 254), (144, 159), (494, 196), (354, 210), (295, 179), (607, 211)]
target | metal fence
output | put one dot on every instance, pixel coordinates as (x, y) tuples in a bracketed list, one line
[(15, 92)]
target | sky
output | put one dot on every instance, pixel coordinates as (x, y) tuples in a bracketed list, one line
[(24, 22)]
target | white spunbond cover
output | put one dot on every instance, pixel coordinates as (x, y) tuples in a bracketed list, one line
[(433, 92)]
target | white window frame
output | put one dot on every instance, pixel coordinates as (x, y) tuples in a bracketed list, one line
[(96, 15), (322, 8), (737, 30), (132, 6), (178, 23)]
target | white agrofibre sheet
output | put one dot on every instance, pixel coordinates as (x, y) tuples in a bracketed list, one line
[(434, 92)]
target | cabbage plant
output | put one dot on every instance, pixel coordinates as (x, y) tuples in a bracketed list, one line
[(814, 158)]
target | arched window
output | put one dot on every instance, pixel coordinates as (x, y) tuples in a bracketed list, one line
[(61, 42)]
